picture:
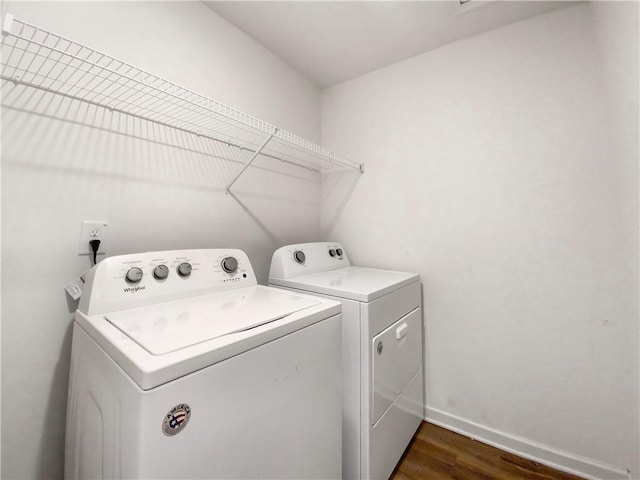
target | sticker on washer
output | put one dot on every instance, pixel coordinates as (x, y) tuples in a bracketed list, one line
[(176, 419)]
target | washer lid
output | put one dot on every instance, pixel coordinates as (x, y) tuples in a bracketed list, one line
[(355, 283), (168, 327)]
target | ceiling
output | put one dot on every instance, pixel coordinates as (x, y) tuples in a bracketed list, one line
[(330, 42)]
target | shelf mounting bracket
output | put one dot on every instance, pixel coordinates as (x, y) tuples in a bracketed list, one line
[(248, 164)]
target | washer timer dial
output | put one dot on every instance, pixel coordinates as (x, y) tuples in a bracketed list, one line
[(184, 269), (299, 256), (229, 264), (134, 275), (161, 272)]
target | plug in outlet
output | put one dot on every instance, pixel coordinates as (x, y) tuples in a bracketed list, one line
[(93, 230)]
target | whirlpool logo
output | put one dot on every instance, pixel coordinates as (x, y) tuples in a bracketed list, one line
[(133, 289)]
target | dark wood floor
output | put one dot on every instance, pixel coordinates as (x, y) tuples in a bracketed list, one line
[(439, 454)]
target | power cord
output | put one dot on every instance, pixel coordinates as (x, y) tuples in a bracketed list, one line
[(95, 245)]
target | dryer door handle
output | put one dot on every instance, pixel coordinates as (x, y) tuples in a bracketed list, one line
[(401, 330)]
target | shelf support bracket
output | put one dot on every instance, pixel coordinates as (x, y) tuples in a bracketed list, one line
[(248, 164)]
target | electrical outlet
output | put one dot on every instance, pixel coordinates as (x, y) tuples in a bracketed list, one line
[(93, 230)]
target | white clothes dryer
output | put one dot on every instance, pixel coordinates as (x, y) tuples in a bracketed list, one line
[(382, 350), (182, 367)]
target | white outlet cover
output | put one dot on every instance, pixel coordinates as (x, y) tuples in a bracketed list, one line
[(93, 229)]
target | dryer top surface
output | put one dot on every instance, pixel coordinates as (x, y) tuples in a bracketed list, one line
[(355, 283)]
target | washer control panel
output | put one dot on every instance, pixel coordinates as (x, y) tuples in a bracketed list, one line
[(143, 279), (304, 258)]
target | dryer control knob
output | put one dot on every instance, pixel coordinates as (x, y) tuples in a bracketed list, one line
[(339, 252), (161, 272), (134, 275), (332, 252), (299, 256), (184, 269), (229, 264)]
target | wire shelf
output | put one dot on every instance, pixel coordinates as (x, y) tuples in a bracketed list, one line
[(36, 58)]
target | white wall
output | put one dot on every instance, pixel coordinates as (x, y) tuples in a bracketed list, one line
[(494, 168), (156, 190)]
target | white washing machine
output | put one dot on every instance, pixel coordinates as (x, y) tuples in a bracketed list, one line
[(382, 350), (183, 367)]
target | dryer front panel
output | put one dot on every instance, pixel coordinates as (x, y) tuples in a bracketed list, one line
[(396, 356)]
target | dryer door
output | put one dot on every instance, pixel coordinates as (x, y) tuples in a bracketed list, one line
[(396, 357)]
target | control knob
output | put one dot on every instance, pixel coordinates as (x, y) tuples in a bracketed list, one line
[(134, 275), (339, 252), (299, 256), (229, 264), (184, 269), (332, 252), (161, 272)]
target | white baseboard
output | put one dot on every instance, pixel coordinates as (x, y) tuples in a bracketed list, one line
[(552, 457)]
